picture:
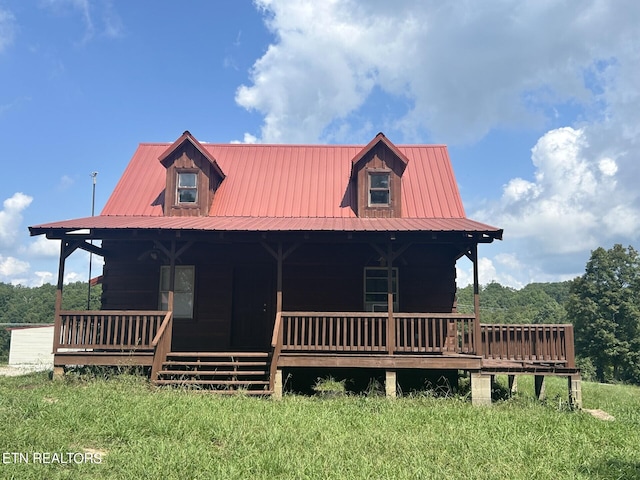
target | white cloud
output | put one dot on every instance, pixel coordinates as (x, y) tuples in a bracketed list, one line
[(42, 278), (487, 272), (71, 277), (579, 200), (10, 267), (608, 167), (462, 68), (113, 25), (248, 138), (7, 29), (110, 23), (43, 247), (65, 182), (11, 217)]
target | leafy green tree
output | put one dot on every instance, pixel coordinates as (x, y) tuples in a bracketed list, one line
[(604, 306), (534, 303), (19, 304)]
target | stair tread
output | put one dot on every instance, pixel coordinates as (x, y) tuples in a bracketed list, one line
[(124, 353), (211, 382), (216, 364), (227, 373), (218, 354)]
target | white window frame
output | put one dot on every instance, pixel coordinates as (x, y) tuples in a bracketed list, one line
[(180, 188), (379, 189), (183, 295), (381, 304)]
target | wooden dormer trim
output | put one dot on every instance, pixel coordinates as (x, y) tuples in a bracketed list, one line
[(380, 138), (187, 156), (376, 175)]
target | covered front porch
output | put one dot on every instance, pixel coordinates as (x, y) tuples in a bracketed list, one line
[(319, 339), (256, 309)]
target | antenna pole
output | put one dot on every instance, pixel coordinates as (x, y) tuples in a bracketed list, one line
[(93, 205)]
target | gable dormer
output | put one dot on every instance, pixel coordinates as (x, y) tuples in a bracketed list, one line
[(376, 179), (193, 176)]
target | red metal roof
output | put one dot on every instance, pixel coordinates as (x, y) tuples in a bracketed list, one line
[(285, 187), (287, 181)]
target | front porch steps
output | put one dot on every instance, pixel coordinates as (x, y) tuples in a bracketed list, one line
[(217, 372)]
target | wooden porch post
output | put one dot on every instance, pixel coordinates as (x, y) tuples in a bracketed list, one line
[(172, 275), (391, 324), (279, 280), (58, 372), (275, 376), (476, 302)]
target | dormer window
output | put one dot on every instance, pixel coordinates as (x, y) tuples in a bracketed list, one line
[(379, 189), (187, 187), (192, 178)]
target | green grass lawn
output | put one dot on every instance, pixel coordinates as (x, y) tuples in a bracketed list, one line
[(143, 432)]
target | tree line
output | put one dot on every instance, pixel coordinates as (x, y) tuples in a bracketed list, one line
[(20, 305), (603, 305)]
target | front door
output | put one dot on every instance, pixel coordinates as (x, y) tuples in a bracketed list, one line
[(253, 307)]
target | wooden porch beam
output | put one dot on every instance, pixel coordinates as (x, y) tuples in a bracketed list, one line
[(172, 254), (276, 254), (390, 255), (91, 248)]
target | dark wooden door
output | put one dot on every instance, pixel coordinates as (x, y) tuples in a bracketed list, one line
[(253, 307)]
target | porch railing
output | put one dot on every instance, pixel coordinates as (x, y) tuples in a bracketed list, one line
[(537, 343), (367, 332), (107, 330), (434, 333)]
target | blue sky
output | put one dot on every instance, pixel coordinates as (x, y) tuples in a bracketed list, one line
[(537, 102)]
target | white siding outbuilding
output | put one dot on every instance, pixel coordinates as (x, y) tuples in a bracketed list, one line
[(31, 346)]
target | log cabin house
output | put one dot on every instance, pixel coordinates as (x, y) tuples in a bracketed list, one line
[(227, 264)]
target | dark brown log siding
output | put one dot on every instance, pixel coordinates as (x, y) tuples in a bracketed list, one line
[(316, 277)]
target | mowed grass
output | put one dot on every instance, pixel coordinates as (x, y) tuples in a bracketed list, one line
[(152, 433)]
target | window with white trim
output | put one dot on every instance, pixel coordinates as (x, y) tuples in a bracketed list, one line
[(375, 289), (379, 189), (183, 291), (187, 187)]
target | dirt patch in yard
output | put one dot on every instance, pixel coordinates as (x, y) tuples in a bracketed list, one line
[(600, 414), (15, 371)]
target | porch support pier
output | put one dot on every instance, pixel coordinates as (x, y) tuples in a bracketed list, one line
[(480, 389)]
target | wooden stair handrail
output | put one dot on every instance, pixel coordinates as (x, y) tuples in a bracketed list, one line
[(161, 345), (276, 344), (276, 329), (163, 327)]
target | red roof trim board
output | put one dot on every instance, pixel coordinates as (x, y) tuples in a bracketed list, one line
[(258, 224)]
